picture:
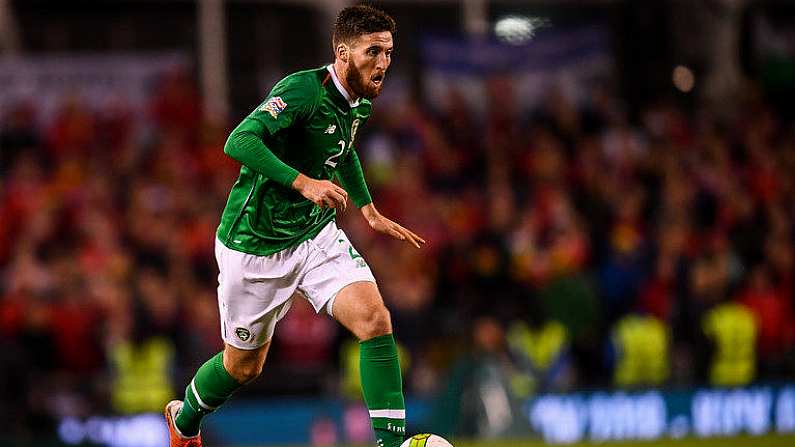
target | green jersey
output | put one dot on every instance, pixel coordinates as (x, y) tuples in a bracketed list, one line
[(307, 124)]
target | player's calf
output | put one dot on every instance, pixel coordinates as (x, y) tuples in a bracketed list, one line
[(215, 382), (360, 308)]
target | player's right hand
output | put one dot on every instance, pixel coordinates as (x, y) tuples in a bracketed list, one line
[(322, 193)]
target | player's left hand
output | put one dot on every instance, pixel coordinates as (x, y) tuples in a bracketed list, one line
[(383, 225)]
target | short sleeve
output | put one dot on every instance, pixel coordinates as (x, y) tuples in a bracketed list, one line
[(292, 100)]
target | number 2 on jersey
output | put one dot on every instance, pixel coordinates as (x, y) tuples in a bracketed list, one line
[(329, 161)]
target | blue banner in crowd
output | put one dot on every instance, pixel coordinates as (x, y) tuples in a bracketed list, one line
[(649, 415), (549, 50), (557, 418), (565, 61)]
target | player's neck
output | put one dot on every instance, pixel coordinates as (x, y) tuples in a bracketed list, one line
[(338, 69)]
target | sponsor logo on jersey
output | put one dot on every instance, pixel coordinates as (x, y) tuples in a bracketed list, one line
[(243, 333), (274, 106), (331, 129)]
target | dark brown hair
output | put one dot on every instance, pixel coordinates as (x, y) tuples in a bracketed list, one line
[(354, 21)]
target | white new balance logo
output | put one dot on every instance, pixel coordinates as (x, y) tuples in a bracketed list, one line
[(331, 128)]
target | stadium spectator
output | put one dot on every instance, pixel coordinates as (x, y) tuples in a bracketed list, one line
[(573, 209)]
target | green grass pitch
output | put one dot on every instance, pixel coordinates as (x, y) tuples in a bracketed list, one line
[(764, 441), (761, 441)]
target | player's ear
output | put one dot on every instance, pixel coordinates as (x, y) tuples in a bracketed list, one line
[(343, 52)]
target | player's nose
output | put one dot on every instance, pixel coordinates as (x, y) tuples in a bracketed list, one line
[(382, 62)]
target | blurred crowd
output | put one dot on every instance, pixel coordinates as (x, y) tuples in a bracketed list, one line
[(571, 245)]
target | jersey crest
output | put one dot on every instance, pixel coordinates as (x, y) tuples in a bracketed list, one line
[(274, 106)]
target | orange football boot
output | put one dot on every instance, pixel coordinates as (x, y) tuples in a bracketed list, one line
[(177, 440)]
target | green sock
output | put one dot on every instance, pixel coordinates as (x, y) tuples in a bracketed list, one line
[(211, 386), (382, 387)]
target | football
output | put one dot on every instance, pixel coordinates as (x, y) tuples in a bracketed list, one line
[(426, 440)]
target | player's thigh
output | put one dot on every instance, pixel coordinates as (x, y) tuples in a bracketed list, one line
[(254, 293), (333, 264), (360, 308), (338, 270)]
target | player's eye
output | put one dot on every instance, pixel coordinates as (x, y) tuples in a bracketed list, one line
[(372, 51)]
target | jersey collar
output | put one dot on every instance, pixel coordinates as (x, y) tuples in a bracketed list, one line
[(340, 88)]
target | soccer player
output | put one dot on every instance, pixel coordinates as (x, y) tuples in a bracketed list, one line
[(278, 235)]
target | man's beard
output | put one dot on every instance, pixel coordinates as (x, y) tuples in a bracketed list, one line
[(361, 87)]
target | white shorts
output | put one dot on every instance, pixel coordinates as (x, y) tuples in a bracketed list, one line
[(255, 292)]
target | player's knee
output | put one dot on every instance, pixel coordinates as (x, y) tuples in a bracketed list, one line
[(244, 365), (377, 323), (245, 372)]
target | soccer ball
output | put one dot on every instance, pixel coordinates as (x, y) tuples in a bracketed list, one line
[(426, 440)]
